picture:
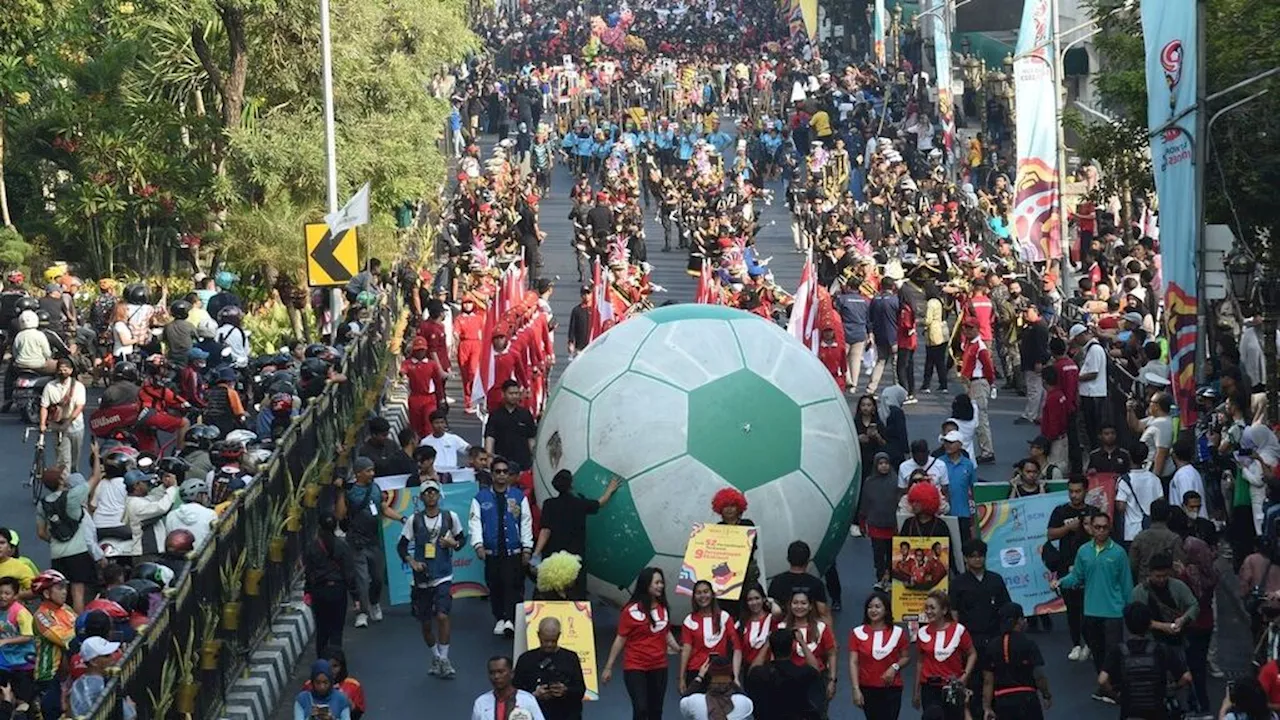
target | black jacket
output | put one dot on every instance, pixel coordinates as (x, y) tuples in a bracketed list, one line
[(536, 667), (977, 602), (329, 562)]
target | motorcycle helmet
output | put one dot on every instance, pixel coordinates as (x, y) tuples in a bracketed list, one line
[(28, 303), (124, 596), (28, 320), (230, 315), (196, 355), (192, 488), (180, 309), (111, 608), (225, 279), (173, 465), (316, 350), (156, 364), (145, 587), (146, 462), (46, 580), (125, 371), (134, 477), (15, 277), (136, 294), (43, 318), (179, 542), (203, 436), (283, 382), (155, 573), (314, 368), (119, 460), (281, 403), (242, 437), (227, 451)]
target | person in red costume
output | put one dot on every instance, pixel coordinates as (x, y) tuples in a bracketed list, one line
[(426, 385), (831, 353), (468, 333), (507, 365), (981, 311), (432, 330)]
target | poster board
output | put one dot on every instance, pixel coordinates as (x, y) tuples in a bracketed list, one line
[(577, 633), (918, 566), (718, 554)]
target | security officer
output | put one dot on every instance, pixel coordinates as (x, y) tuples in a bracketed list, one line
[(1013, 679), (977, 595)]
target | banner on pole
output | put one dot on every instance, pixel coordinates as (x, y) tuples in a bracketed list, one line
[(942, 66), (877, 33), (1014, 531), (1035, 212), (1170, 35)]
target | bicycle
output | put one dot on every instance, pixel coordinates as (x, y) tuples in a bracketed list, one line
[(36, 481)]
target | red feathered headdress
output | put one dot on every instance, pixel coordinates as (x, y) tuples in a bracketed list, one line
[(925, 496), (725, 497)]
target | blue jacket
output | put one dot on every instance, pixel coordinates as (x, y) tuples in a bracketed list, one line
[(883, 316), (440, 566), (1106, 577), (487, 504), (852, 307)]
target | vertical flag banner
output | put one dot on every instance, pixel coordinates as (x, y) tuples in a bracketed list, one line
[(468, 571), (942, 66), (1014, 531), (809, 13), (1169, 32), (918, 567), (1035, 212), (877, 33)]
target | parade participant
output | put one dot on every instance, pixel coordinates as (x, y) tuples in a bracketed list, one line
[(707, 632), (935, 338), (920, 459), (1102, 569), (882, 319), (878, 653), (812, 631), (511, 429), (978, 373), (322, 700), (832, 355), (1069, 526), (329, 572), (435, 535), (925, 502), (853, 309), (879, 518), (432, 331), (508, 366), (552, 674), (501, 531), (468, 330), (758, 619), (426, 381), (729, 503), (643, 632), (947, 659), (1139, 670), (1013, 679), (362, 505), (872, 435), (505, 697), (564, 523)]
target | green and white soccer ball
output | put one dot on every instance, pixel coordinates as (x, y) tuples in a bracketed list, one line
[(681, 402)]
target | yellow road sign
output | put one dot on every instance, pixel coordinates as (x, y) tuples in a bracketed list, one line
[(331, 259)]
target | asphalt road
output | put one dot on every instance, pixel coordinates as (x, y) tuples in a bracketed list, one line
[(391, 661)]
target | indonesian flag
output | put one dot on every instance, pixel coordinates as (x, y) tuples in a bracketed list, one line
[(484, 376), (804, 313), (705, 293), (602, 303)]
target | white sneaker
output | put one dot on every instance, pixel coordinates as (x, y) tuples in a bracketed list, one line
[(1074, 655), (375, 613), (435, 666), (509, 628), (1085, 654), (499, 627), (362, 620), (855, 531), (446, 669)]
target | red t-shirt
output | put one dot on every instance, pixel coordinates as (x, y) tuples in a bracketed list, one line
[(942, 653), (1054, 414), (754, 638), (646, 637), (699, 633), (877, 650), (1069, 381), (821, 646), (1269, 678)]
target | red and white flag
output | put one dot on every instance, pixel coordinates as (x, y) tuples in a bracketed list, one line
[(803, 324), (602, 303), (705, 293)]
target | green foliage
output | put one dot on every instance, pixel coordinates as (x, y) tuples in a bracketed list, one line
[(14, 250)]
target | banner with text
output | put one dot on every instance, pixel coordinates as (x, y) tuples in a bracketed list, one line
[(918, 567), (577, 633), (1014, 531), (1035, 212), (1169, 33), (468, 571), (718, 554)]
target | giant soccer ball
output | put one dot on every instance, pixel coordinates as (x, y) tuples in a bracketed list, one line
[(681, 402)]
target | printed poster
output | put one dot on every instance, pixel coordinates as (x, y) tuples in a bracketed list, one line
[(1014, 531), (718, 554), (577, 633), (1036, 199), (468, 571), (918, 567)]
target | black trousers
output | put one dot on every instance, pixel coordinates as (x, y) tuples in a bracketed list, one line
[(935, 359), (882, 556), (881, 703), (1018, 706), (1094, 412), (648, 689), (834, 591), (329, 608), (1102, 633), (932, 696), (1074, 600), (504, 574), (1075, 453), (906, 369)]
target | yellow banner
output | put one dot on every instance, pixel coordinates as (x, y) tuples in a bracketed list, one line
[(918, 567), (718, 554), (809, 10), (577, 633)]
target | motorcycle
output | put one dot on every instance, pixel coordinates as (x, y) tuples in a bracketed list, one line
[(27, 389)]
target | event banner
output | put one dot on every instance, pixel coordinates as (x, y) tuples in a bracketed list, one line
[(942, 67), (577, 633), (918, 567), (877, 33), (1169, 33), (1014, 531), (718, 554), (1035, 212), (468, 571)]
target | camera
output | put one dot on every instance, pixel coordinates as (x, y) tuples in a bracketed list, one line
[(954, 693), (548, 673)]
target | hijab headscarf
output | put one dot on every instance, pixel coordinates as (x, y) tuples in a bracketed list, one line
[(892, 397), (339, 705), (1261, 439)]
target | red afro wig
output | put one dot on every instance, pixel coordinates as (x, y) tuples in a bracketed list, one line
[(725, 497), (925, 496)]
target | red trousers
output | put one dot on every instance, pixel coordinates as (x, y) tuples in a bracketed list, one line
[(469, 365), (420, 409)]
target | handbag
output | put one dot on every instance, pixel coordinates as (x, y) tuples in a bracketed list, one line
[(60, 411)]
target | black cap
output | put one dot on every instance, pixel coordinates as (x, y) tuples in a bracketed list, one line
[(1041, 442), (379, 425), (586, 290)]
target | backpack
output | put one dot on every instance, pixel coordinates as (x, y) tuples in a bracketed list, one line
[(1143, 678), (62, 527)]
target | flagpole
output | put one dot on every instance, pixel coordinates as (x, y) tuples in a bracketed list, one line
[(1201, 150), (330, 148)]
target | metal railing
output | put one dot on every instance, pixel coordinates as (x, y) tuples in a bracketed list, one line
[(184, 662)]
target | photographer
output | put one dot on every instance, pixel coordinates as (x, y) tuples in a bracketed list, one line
[(552, 674)]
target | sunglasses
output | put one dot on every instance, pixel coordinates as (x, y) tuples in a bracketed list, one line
[(500, 471)]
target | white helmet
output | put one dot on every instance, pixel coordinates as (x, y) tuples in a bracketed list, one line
[(27, 320)]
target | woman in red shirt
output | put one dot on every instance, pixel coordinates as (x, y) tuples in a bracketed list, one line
[(644, 630), (946, 654), (877, 656), (707, 631), (760, 616), (817, 635)]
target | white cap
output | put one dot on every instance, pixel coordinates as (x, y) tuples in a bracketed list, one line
[(1151, 377), (953, 436), (1076, 331), (95, 647)]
